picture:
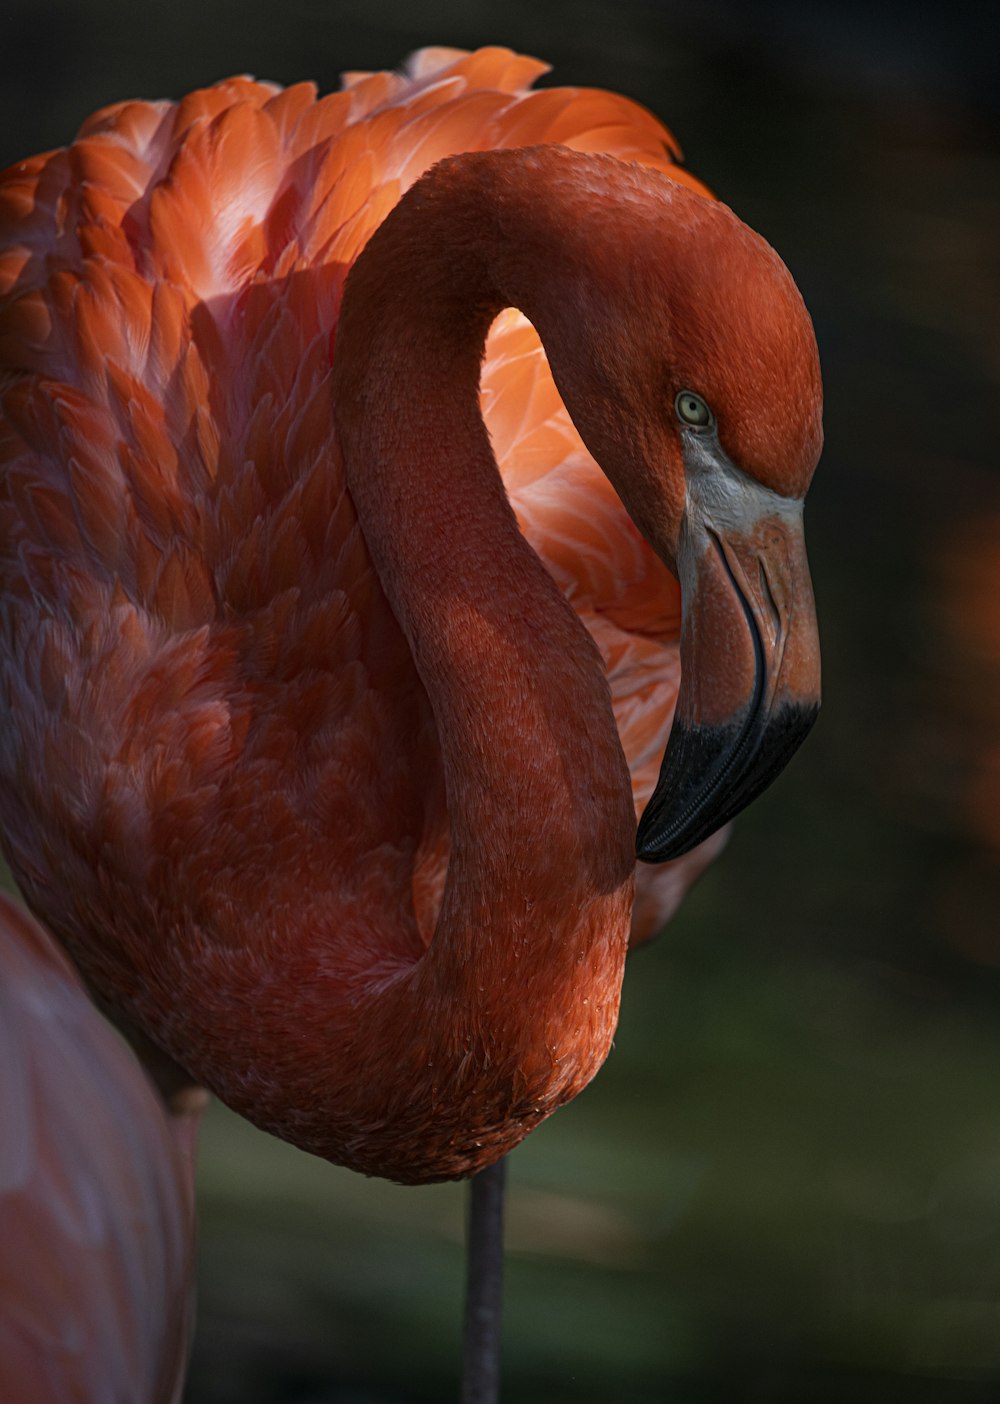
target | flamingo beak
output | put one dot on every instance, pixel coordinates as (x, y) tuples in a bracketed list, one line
[(750, 663)]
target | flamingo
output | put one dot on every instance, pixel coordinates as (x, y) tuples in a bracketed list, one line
[(334, 670), (95, 1196)]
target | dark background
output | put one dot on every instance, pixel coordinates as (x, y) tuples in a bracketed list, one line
[(785, 1185)]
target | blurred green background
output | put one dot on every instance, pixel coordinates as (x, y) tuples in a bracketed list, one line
[(785, 1184)]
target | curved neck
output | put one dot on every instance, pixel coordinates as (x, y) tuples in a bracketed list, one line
[(539, 795), (511, 1010)]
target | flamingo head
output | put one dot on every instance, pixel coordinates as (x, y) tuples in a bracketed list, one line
[(689, 365)]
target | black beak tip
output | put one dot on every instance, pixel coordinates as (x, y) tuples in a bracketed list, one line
[(710, 773), (649, 847)]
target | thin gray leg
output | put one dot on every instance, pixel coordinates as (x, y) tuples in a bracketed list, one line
[(484, 1287)]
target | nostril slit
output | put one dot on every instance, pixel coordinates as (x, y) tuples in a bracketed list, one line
[(768, 594)]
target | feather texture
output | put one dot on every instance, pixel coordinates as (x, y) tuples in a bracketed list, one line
[(211, 720), (169, 288), (95, 1197)]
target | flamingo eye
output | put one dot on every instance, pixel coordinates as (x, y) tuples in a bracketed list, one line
[(692, 409)]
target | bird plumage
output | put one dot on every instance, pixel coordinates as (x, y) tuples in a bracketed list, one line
[(213, 728), (96, 1202), (189, 471)]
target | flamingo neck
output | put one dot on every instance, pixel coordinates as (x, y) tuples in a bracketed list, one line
[(532, 932)]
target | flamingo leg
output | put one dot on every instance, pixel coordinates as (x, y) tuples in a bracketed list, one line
[(484, 1287)]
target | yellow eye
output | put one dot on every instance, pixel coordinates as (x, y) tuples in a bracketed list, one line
[(692, 409)]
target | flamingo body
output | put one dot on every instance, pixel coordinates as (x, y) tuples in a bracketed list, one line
[(217, 730), (95, 1199)]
